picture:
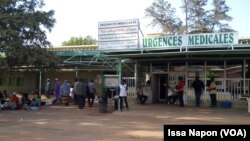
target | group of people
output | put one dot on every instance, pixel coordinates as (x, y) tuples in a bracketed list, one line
[(82, 91), (143, 92), (177, 92), (198, 87), (79, 91), (15, 102), (122, 95), (59, 90)]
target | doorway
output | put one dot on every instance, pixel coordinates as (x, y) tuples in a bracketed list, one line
[(163, 82), (159, 87)]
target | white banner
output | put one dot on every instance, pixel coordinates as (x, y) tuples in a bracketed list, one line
[(120, 34), (132, 44), (119, 23), (207, 39), (118, 30), (118, 37)]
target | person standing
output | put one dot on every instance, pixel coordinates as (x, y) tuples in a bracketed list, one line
[(180, 90), (122, 90), (71, 94), (198, 86), (57, 90), (91, 92), (212, 91), (64, 92), (48, 88), (79, 93), (75, 97)]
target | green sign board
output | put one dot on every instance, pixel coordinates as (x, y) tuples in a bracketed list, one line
[(209, 39)]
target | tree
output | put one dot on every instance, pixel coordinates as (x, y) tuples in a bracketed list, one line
[(23, 27), (197, 16), (200, 19), (163, 15), (219, 16), (87, 40)]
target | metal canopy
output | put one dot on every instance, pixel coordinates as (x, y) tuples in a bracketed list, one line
[(204, 52), (98, 60), (108, 59)]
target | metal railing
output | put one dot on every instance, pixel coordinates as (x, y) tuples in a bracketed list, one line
[(230, 89)]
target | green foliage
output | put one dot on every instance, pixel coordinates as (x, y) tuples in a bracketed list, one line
[(23, 27), (211, 75), (87, 40), (219, 16), (163, 15), (199, 18)]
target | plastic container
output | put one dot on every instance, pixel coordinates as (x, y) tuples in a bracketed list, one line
[(227, 104), (103, 102)]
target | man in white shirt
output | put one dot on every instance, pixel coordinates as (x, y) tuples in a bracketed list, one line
[(122, 90)]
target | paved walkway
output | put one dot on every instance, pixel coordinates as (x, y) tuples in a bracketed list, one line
[(139, 123)]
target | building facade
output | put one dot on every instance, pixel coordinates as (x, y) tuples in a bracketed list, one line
[(159, 59)]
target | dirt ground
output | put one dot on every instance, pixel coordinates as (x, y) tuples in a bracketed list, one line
[(139, 123)]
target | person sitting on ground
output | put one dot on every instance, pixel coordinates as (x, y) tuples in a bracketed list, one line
[(1, 98), (15, 102), (141, 96), (26, 102), (36, 101), (2, 101)]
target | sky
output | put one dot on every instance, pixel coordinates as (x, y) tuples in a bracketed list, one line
[(75, 18)]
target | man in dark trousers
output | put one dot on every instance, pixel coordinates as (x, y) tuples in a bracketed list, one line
[(180, 90), (90, 90), (80, 93), (198, 86)]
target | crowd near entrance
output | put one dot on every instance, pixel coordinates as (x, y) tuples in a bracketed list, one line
[(231, 78)]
